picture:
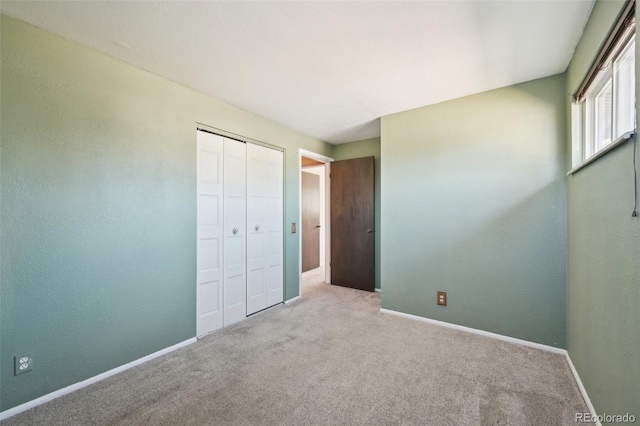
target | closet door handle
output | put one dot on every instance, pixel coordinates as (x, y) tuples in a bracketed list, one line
[(369, 231), (235, 231)]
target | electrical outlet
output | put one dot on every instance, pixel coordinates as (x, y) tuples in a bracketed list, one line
[(22, 363), (442, 298)]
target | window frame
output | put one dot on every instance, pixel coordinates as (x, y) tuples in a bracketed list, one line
[(586, 147), (590, 115)]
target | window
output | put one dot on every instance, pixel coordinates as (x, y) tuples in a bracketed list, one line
[(605, 112), (609, 105)]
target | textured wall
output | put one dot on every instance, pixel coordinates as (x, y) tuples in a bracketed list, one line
[(603, 270), (99, 207), (474, 204), (366, 148)]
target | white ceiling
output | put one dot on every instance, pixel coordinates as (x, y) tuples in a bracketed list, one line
[(327, 69)]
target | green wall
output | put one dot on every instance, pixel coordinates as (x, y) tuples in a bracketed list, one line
[(98, 191), (473, 203), (97, 237), (358, 149), (603, 270)]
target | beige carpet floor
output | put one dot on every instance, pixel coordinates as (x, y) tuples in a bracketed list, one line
[(330, 358)]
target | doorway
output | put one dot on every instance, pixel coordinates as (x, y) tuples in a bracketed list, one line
[(313, 217), (315, 224)]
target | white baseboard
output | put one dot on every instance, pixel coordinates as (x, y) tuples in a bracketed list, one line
[(583, 391), (479, 332), (293, 299), (540, 346), (74, 387), (378, 290)]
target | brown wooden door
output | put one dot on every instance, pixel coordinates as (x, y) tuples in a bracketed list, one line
[(310, 221), (352, 223)]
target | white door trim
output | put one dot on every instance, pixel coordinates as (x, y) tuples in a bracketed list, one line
[(319, 157), (327, 172)]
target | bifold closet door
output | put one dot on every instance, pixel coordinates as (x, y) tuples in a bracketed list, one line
[(209, 309), (275, 218), (265, 281), (234, 233)]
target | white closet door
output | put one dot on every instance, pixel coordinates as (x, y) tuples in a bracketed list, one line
[(209, 233), (257, 228), (275, 220), (265, 279), (234, 233)]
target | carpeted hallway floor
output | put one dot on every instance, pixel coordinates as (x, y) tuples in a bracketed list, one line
[(330, 358)]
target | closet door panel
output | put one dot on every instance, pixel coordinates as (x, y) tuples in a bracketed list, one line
[(235, 208), (257, 227), (275, 217), (209, 274), (256, 296)]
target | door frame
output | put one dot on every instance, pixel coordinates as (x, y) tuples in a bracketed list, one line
[(327, 205)]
